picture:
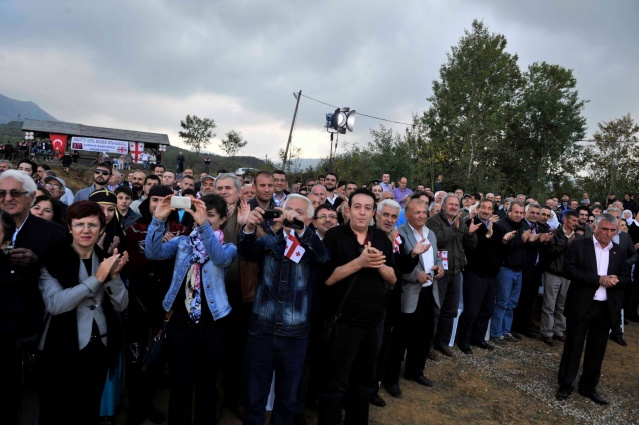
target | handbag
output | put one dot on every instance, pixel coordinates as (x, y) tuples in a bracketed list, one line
[(156, 347), (329, 326)]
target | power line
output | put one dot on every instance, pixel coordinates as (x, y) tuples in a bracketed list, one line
[(358, 113)]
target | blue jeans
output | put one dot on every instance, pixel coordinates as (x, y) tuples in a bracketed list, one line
[(508, 290), (265, 354)]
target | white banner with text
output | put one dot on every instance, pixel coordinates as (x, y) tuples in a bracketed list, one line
[(99, 145)]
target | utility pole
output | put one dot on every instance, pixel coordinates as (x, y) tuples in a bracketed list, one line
[(298, 96)]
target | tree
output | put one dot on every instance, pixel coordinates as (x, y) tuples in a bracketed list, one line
[(472, 106), (233, 143), (541, 144), (198, 132), (611, 165)]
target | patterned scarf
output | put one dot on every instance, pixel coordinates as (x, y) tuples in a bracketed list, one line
[(193, 296)]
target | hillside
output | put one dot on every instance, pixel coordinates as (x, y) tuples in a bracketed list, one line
[(18, 110)]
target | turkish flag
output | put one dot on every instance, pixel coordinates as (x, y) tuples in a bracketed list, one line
[(136, 149), (59, 143)]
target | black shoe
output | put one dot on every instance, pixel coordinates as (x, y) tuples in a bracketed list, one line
[(618, 339), (483, 345), (155, 416), (421, 380), (432, 355), (445, 350), (515, 335), (376, 400), (594, 396), (563, 393), (559, 338), (394, 391), (299, 419), (465, 348), (548, 340)]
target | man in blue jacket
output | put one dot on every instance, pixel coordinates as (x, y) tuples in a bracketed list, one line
[(279, 324)]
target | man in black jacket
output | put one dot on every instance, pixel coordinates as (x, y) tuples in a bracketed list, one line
[(480, 281), (514, 233), (598, 270)]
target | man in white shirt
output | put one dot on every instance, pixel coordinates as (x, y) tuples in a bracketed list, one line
[(597, 269)]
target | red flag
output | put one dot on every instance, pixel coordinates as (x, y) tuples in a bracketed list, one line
[(58, 143), (294, 251), (398, 242)]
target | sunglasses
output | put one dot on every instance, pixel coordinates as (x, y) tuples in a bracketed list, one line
[(15, 194), (591, 221), (103, 172)]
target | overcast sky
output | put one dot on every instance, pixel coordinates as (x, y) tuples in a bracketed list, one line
[(145, 64)]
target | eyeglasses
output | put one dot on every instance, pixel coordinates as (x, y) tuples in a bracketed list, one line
[(103, 172), (591, 221), (52, 186), (15, 194), (80, 226), (324, 217), (247, 182)]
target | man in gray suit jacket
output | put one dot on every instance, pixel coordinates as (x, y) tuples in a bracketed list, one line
[(420, 299)]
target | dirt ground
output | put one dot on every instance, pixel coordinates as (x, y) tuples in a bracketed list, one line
[(515, 384)]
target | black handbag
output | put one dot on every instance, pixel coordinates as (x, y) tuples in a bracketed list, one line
[(329, 325), (156, 347)]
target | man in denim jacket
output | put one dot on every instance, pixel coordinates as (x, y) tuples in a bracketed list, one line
[(279, 324)]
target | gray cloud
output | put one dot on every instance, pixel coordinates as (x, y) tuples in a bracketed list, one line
[(146, 64)]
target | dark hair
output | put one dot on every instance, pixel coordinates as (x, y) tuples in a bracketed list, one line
[(187, 192), (362, 191), (482, 200), (44, 166), (83, 209), (159, 165), (326, 206), (321, 176), (188, 177), (215, 202), (55, 206), (419, 193), (34, 166), (351, 182), (280, 172), (570, 213), (221, 171), (332, 174), (124, 189), (152, 177), (582, 208), (8, 226), (44, 190), (262, 173)]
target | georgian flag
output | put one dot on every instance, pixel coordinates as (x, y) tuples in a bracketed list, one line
[(397, 243), (294, 251)]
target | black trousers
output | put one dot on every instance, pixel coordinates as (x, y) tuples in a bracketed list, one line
[(349, 373), (413, 335), (448, 287), (522, 314), (479, 305), (592, 330), (392, 302)]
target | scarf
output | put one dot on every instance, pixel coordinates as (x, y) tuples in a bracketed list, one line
[(193, 287)]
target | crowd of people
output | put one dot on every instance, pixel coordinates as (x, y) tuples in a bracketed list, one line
[(316, 292)]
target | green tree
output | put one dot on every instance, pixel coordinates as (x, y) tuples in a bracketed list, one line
[(198, 132), (541, 154), (233, 143), (611, 165), (471, 107)]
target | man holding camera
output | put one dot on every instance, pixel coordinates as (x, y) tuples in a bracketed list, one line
[(280, 323)]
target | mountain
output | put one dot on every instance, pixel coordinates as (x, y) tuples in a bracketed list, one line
[(18, 110)]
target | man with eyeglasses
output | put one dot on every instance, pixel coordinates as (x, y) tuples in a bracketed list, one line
[(56, 187), (325, 218), (32, 238), (101, 177)]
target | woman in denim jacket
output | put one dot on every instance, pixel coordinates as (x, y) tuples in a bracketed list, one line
[(196, 335)]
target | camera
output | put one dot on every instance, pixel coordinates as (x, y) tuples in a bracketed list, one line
[(269, 214), (181, 202)]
